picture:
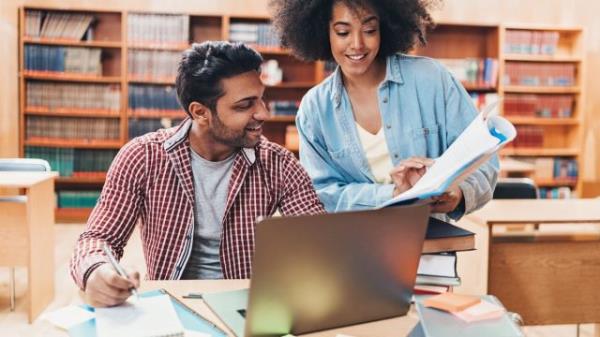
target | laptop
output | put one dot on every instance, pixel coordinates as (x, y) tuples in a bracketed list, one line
[(313, 273)]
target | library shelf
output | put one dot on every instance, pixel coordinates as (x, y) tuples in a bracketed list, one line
[(540, 182), (158, 81), (82, 180), (517, 120), (293, 85), (71, 215), (542, 58), (69, 77), (153, 114), (282, 119), (74, 143), (541, 90), (271, 50), (540, 152), (71, 112), (71, 43), (159, 46), (477, 87)]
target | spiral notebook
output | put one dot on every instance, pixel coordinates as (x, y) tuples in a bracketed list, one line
[(190, 319)]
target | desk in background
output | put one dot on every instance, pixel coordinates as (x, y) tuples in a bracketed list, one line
[(27, 233), (547, 278)]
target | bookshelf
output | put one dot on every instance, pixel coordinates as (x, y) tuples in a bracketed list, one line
[(136, 55), (538, 74)]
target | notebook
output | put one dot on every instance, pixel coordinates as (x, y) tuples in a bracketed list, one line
[(437, 323), (188, 318), (143, 317)]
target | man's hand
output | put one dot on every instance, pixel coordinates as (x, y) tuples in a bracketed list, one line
[(406, 174), (448, 201), (105, 288)]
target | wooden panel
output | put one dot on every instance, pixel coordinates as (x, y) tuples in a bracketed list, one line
[(459, 42), (40, 218), (543, 281), (14, 244), (204, 28)]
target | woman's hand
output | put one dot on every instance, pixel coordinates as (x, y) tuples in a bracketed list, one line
[(448, 201), (406, 174)]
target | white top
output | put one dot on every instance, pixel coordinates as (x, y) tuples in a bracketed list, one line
[(377, 154)]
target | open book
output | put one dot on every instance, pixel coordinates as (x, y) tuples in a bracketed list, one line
[(486, 134)]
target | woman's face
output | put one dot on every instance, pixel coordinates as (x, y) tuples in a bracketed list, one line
[(355, 38)]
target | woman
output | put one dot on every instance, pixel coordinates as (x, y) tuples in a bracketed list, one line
[(367, 131)]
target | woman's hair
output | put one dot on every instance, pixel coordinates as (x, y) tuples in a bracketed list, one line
[(303, 25)]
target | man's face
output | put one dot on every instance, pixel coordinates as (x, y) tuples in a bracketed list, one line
[(240, 112)]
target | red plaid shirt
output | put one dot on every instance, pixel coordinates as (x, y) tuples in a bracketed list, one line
[(151, 180)]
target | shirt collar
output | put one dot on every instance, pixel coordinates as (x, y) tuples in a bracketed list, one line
[(393, 73), (181, 134)]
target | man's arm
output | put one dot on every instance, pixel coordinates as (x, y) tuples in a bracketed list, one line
[(299, 196), (113, 219)]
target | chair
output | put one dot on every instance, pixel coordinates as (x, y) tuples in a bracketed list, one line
[(515, 188), (23, 165)]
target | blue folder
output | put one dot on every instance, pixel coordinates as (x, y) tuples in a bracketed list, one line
[(189, 319)]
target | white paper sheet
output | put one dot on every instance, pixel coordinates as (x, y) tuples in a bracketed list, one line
[(145, 317)]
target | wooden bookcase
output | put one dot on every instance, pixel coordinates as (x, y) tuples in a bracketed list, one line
[(448, 41), (562, 136)]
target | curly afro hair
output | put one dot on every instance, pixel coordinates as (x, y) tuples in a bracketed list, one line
[(303, 25)]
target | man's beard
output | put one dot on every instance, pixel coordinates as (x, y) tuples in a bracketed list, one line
[(229, 137)]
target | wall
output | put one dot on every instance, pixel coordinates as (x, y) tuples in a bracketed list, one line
[(555, 12)]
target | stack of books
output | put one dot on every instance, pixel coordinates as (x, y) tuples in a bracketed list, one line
[(437, 267), (159, 65), (473, 71), (153, 100), (71, 128), (71, 162)]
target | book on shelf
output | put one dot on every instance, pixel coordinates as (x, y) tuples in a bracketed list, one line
[(57, 25), (484, 136), (160, 65), (139, 127), (481, 100), (71, 162), (284, 107), (481, 72), (554, 168), (539, 106), (258, 34), (531, 42), (55, 59), (42, 127), (562, 192), (158, 29), (529, 136), (77, 199), (539, 74), (49, 96), (153, 100)]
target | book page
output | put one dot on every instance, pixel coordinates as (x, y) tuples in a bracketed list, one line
[(473, 143), (145, 317)]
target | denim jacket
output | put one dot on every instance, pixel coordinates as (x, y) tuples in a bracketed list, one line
[(423, 110)]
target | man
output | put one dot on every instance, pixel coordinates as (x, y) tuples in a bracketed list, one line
[(198, 188)]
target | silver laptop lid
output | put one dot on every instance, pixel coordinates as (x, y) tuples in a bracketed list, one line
[(313, 273)]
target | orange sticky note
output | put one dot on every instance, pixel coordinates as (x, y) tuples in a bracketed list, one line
[(451, 302)]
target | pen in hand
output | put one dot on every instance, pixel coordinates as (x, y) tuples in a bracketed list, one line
[(118, 267)]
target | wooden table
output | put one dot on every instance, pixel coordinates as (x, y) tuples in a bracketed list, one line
[(27, 233), (547, 278), (399, 326)]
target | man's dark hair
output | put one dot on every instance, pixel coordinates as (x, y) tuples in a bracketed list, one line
[(303, 26), (204, 65)]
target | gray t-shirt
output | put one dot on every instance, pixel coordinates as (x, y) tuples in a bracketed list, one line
[(211, 184)]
